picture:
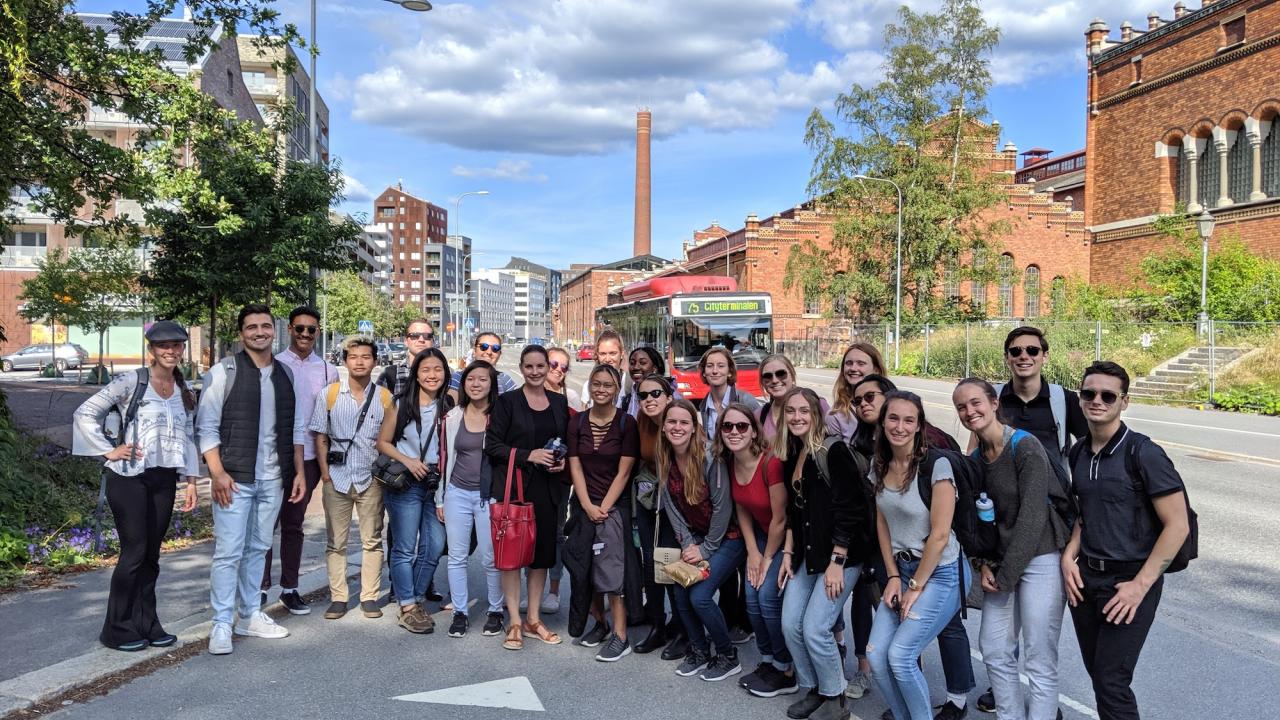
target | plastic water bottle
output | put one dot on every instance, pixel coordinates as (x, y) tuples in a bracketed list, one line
[(557, 448), (986, 508)]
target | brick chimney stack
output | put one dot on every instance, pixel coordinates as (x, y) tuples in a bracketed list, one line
[(642, 242)]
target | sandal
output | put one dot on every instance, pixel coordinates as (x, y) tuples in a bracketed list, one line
[(515, 639), (540, 631)]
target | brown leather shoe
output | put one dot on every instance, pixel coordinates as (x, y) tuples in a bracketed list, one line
[(416, 621)]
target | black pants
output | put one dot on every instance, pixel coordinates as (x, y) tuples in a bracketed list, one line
[(1110, 652), (655, 594), (290, 520), (733, 601), (142, 507)]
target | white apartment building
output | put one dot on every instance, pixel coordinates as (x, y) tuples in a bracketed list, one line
[(372, 252), (530, 305), (495, 290)]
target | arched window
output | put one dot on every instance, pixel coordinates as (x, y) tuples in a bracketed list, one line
[(1058, 295), (1031, 292), (1240, 169), (978, 286), (1207, 175), (1183, 181), (1271, 160), (950, 283), (1005, 308)]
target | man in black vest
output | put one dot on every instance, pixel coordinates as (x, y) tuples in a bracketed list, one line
[(244, 431)]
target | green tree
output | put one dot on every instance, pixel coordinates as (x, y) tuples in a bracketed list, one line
[(54, 295), (108, 289), (347, 300), (900, 132)]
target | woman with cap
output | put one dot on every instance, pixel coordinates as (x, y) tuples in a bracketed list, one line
[(157, 435)]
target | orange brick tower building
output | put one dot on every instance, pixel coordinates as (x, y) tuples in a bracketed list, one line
[(1182, 113)]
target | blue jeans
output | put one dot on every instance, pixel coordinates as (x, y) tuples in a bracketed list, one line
[(464, 509), (895, 645), (242, 534), (417, 541), (764, 610), (808, 617), (697, 606)]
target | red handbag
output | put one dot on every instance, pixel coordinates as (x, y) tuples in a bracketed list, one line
[(512, 524)]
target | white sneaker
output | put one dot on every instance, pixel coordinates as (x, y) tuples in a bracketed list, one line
[(220, 639), (858, 686), (551, 604), (261, 625)]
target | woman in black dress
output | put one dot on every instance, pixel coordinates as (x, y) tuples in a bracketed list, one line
[(526, 419)]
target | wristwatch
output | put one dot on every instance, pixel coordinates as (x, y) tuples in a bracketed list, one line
[(913, 585), (838, 559)]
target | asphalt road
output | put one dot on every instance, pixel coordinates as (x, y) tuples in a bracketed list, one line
[(1214, 652)]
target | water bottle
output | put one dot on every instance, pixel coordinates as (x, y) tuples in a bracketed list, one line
[(558, 449), (986, 508)]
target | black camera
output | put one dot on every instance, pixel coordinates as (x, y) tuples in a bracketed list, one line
[(432, 479), (337, 457)]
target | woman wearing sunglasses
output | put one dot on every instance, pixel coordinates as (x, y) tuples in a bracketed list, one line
[(922, 592), (654, 393), (827, 542), (777, 377), (558, 367), (859, 360), (1024, 593), (643, 362), (696, 501), (525, 420), (760, 501)]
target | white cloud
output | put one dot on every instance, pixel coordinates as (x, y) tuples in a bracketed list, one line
[(513, 170), (355, 190), (566, 76)]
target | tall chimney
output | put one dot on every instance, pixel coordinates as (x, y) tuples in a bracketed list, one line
[(642, 242)]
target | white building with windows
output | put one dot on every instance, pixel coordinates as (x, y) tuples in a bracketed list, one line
[(495, 291), (530, 305)]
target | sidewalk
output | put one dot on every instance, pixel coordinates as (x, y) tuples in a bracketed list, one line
[(51, 634)]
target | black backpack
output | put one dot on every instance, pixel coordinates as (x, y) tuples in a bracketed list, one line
[(1190, 549), (1065, 504), (977, 538), (864, 483)]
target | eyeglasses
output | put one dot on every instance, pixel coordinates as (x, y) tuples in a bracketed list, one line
[(866, 397), (1016, 350), (421, 336), (489, 346), (780, 375), (556, 365), (1108, 397), (604, 385), (655, 394), (739, 427), (306, 329)]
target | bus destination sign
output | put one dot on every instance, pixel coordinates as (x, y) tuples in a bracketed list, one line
[(728, 306)]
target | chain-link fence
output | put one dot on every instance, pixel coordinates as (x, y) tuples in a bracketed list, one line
[(1171, 361)]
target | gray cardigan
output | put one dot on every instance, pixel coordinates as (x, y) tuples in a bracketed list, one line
[(718, 493), (1019, 481)]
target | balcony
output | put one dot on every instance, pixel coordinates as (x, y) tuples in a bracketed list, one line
[(22, 257), (98, 115)]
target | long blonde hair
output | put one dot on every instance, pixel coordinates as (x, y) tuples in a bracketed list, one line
[(843, 390), (784, 443), (691, 467)]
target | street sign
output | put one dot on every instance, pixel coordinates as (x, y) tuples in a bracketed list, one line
[(469, 323), (364, 327), (449, 327)]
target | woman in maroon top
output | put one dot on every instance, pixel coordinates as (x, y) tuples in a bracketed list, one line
[(760, 499), (603, 445)]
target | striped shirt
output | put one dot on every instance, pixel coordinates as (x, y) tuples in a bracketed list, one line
[(339, 424)]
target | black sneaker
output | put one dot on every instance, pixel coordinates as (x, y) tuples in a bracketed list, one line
[(294, 602), (595, 635), (432, 595), (987, 701), (762, 671), (370, 609), (739, 636), (777, 683), (458, 628), (694, 662), (722, 666), (336, 610), (614, 649), (807, 705), (677, 648), (950, 711), (492, 624)]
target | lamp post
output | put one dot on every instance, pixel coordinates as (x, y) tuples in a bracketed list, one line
[(1204, 225), (457, 231), (897, 295), (466, 301), (414, 5)]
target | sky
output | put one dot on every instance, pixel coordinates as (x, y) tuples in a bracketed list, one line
[(535, 102)]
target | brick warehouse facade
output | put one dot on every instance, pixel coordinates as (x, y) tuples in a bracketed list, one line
[(1183, 112), (581, 295), (424, 267)]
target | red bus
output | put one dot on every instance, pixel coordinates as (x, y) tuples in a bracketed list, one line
[(684, 316)]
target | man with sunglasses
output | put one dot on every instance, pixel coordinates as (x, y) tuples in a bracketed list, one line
[(487, 347), (1133, 520), (310, 375), (417, 337)]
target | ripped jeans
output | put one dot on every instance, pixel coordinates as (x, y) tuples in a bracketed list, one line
[(895, 645)]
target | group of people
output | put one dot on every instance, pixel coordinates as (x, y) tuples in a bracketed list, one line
[(789, 510)]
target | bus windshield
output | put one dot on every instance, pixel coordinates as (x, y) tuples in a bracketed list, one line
[(749, 338)]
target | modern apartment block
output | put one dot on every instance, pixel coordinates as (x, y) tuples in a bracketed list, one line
[(217, 73), (495, 293), (424, 267), (530, 305), (273, 90), (371, 252)]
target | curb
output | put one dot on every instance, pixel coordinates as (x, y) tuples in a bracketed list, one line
[(46, 683)]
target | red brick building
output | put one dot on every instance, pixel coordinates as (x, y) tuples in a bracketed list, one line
[(583, 294), (424, 268), (1183, 112)]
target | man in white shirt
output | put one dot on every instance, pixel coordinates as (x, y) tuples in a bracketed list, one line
[(310, 375)]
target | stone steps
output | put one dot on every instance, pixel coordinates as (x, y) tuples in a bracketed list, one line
[(1184, 372)]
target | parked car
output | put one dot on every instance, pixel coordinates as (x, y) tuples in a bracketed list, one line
[(34, 357), (397, 352), (586, 352)]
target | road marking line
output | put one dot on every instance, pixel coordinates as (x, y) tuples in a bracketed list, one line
[(515, 693), (1240, 457), (1200, 427), (1069, 702)]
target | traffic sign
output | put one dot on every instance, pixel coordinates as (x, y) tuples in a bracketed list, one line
[(364, 327), (449, 327), (469, 323)]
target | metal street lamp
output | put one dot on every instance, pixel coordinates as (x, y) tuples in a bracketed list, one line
[(416, 6), (1204, 225), (457, 231), (897, 295)]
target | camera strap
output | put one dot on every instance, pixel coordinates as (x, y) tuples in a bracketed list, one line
[(369, 391)]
